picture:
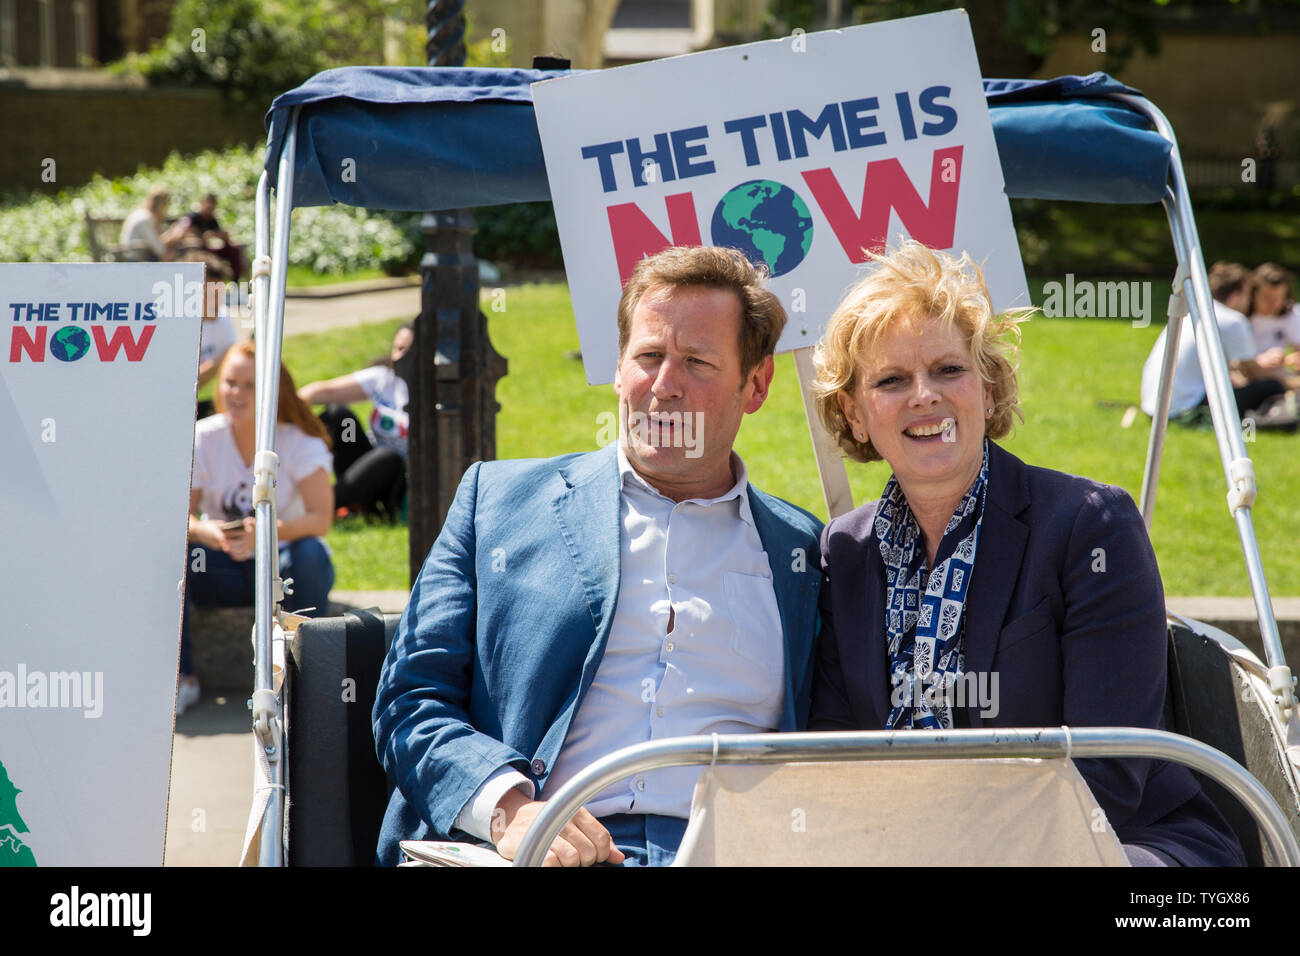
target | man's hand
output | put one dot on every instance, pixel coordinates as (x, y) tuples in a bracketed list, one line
[(582, 842)]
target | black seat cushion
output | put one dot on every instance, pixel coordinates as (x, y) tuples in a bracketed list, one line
[(1206, 702), (337, 790)]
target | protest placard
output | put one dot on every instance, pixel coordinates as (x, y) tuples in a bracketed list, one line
[(801, 152), (97, 389)]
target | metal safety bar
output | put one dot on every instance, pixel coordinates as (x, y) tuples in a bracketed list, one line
[(1191, 296), (1049, 742), (1164, 389), (268, 723)]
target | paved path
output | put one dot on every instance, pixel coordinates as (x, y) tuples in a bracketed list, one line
[(376, 301), (212, 783), (317, 314)]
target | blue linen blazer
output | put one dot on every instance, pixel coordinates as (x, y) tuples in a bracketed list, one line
[(1065, 604), (508, 622)]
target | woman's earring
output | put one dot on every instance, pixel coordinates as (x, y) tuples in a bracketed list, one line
[(861, 437), (989, 413)]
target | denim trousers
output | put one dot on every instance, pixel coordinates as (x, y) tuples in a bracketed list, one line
[(215, 579), (645, 839)]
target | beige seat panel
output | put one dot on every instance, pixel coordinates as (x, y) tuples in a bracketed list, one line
[(1003, 812)]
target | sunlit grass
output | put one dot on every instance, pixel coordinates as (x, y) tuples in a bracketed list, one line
[(1077, 375)]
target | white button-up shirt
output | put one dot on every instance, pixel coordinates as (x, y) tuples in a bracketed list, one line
[(720, 669)]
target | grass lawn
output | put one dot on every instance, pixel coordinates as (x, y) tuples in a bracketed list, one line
[(1099, 239), (305, 276), (1074, 372)]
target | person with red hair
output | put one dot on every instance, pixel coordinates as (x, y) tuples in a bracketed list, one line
[(219, 563)]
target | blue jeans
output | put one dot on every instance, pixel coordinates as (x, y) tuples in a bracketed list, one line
[(645, 839), (225, 582)]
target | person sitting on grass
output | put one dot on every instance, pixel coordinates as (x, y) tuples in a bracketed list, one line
[(219, 559), (1253, 386), (369, 468), (201, 225), (1275, 319)]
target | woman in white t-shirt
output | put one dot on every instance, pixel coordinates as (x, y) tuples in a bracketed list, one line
[(220, 560), (369, 467)]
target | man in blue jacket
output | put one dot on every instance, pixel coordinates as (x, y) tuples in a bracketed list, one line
[(577, 605)]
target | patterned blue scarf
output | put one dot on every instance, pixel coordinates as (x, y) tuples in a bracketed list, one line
[(925, 613)]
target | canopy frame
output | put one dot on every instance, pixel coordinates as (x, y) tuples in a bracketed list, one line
[(269, 588), (1191, 295)]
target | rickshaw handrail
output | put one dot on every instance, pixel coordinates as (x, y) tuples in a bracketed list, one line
[(1039, 742)]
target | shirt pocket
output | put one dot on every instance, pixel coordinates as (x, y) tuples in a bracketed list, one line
[(755, 621)]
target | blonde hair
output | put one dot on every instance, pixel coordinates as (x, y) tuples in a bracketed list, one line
[(912, 282), (289, 408)]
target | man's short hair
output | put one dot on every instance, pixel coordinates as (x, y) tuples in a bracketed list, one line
[(762, 318), (1228, 278)]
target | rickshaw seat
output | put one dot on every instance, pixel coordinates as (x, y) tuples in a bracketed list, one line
[(1219, 696), (337, 790)]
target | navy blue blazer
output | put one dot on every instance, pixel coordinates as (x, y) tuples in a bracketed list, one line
[(508, 622), (1066, 607)]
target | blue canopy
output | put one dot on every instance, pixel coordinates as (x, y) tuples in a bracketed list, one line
[(429, 138)]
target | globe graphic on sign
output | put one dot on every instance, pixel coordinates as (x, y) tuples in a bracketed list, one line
[(69, 343), (767, 221)]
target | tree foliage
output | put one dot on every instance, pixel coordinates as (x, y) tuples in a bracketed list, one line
[(253, 50), (1031, 27)]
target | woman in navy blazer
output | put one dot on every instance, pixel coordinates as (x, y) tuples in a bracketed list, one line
[(979, 591)]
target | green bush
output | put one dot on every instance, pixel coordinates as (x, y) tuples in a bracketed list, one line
[(327, 239), (523, 234)]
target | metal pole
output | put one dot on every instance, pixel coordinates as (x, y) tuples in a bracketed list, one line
[(452, 370), (912, 745), (831, 471), (268, 723), (1164, 389), (1237, 466), (260, 284)]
